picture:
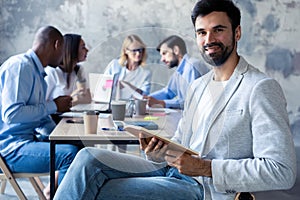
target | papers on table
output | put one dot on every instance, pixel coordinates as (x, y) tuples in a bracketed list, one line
[(149, 111), (162, 110), (80, 114), (72, 114)]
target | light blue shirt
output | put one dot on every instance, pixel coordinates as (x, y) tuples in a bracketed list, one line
[(187, 71), (24, 110)]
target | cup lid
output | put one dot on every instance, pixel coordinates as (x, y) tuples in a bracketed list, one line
[(91, 112), (141, 100), (118, 102)]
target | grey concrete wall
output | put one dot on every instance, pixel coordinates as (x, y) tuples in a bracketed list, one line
[(270, 30)]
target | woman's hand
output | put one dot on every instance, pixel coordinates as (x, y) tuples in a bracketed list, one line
[(81, 96)]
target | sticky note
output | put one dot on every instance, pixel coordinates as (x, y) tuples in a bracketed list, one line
[(108, 84), (151, 118)]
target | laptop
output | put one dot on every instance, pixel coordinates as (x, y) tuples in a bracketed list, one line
[(101, 86)]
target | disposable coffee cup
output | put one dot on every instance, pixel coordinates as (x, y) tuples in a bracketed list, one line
[(90, 121), (140, 106), (118, 109)]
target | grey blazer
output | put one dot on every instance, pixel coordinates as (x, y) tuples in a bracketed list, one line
[(247, 135)]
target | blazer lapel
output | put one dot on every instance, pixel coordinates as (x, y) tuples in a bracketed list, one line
[(216, 117)]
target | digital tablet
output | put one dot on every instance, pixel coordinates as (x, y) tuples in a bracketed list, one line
[(135, 130)]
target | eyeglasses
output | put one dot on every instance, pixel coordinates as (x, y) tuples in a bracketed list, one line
[(140, 50)]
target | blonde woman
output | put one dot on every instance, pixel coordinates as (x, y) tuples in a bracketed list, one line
[(129, 67)]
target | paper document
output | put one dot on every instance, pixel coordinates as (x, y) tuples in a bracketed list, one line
[(165, 110), (132, 89)]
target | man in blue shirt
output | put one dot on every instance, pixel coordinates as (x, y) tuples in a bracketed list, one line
[(173, 53), (25, 122)]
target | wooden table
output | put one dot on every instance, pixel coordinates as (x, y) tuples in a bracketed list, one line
[(73, 133)]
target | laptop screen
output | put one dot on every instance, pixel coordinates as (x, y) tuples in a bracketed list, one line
[(101, 86)]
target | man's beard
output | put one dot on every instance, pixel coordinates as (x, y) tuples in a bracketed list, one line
[(174, 62), (217, 59)]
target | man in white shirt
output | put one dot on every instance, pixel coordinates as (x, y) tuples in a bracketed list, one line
[(243, 138)]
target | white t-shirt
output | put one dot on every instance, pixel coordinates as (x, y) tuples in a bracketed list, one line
[(56, 81), (209, 98)]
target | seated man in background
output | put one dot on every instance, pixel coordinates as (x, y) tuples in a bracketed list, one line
[(174, 54), (25, 121), (235, 117)]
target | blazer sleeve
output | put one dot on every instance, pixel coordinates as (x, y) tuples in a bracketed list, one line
[(273, 165)]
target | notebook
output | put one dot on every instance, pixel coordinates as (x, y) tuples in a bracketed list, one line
[(150, 125), (101, 86)]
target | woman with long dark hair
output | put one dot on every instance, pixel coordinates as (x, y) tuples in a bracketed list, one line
[(69, 78)]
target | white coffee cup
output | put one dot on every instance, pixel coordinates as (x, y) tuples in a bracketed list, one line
[(90, 120), (118, 109), (105, 122), (140, 106)]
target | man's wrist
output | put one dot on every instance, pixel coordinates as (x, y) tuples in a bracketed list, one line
[(51, 107), (207, 168)]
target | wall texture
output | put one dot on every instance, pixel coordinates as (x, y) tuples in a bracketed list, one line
[(270, 30)]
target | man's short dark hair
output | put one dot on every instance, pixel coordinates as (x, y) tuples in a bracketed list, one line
[(172, 41), (205, 7)]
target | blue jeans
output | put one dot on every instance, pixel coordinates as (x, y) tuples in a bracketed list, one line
[(102, 174), (34, 157)]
